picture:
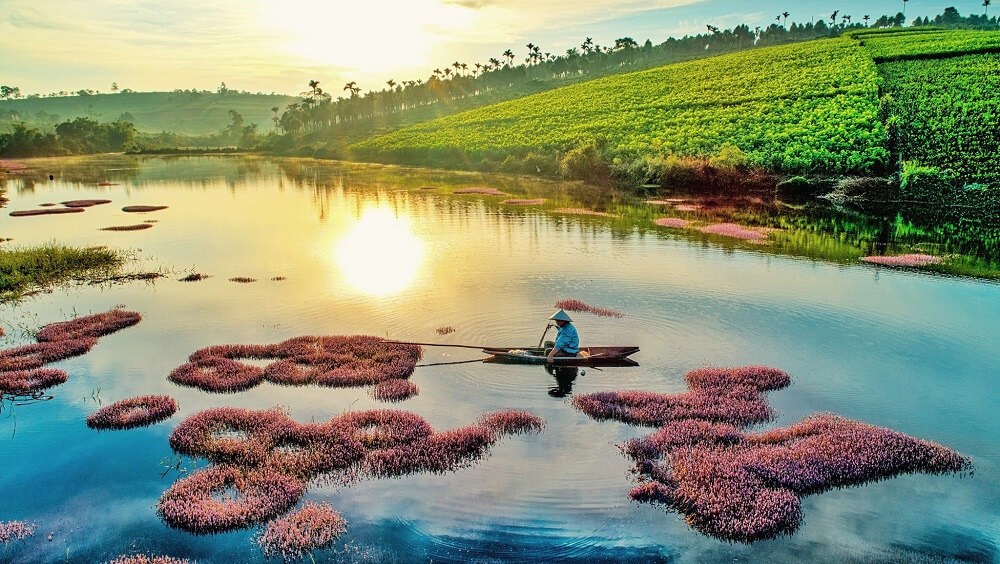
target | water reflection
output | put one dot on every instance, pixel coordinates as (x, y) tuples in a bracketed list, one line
[(380, 255), (564, 375)]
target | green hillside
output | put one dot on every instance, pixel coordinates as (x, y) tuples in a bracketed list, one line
[(823, 107), (178, 112)]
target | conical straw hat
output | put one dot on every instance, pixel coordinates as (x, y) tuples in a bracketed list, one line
[(561, 315)]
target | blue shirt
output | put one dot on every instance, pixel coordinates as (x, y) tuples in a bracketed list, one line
[(567, 340)]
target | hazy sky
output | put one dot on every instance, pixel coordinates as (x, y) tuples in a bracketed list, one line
[(278, 46)]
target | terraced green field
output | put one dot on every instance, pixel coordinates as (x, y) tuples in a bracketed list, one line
[(859, 104), (806, 107)]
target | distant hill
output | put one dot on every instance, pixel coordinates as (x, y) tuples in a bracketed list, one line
[(179, 112)]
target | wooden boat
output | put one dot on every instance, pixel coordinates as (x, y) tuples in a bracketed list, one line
[(589, 356)]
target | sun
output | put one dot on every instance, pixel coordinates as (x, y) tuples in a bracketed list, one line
[(380, 255), (370, 36)]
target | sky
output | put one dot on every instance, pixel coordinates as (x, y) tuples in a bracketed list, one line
[(278, 46)]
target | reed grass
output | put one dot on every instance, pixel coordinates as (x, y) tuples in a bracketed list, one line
[(27, 268)]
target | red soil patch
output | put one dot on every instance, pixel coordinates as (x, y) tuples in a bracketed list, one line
[(672, 222), (903, 260), (136, 227), (143, 209), (535, 202), (242, 279), (46, 211), (84, 203), (133, 412), (483, 191), (577, 305), (751, 234), (581, 211)]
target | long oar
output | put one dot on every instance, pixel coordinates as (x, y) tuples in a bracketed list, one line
[(477, 347), (542, 340)]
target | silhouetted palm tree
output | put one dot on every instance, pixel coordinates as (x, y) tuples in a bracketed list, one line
[(986, 5), (314, 84), (867, 17), (588, 45), (833, 18), (785, 15), (509, 55), (904, 9)]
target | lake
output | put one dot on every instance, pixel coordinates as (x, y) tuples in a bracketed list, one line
[(365, 250)]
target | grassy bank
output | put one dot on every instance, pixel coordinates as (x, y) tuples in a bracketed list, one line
[(858, 105), (24, 269)]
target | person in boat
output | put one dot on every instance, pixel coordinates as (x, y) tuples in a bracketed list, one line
[(567, 340)]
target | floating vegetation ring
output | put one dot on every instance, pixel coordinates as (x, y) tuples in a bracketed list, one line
[(335, 361), (314, 526), (133, 412), (217, 374), (265, 468), (746, 487), (222, 498), (394, 390), (30, 381)]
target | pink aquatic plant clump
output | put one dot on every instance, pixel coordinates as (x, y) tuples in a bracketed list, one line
[(148, 559), (143, 209), (911, 260), (672, 222), (446, 330), (314, 526), (577, 305), (97, 325), (731, 395), (511, 422), (581, 211), (394, 390), (223, 498), (483, 191), (84, 203), (46, 211), (15, 531), (265, 459), (748, 487), (27, 382), (527, 202), (242, 279), (20, 367), (335, 361), (751, 234), (133, 412), (687, 207), (745, 487), (135, 227)]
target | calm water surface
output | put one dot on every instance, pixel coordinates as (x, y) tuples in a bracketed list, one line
[(365, 251)]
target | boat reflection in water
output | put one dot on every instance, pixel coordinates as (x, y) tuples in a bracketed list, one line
[(564, 375)]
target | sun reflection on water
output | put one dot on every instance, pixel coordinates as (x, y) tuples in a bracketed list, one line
[(381, 255)]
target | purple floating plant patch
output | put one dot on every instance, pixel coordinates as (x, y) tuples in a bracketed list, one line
[(910, 260), (84, 203), (15, 530), (483, 191), (30, 381), (577, 305), (97, 325), (133, 412), (143, 209), (264, 459), (394, 390), (523, 202), (314, 526), (135, 227), (148, 559), (217, 374), (746, 487), (672, 222)]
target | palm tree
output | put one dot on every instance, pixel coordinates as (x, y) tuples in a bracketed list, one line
[(391, 83), (275, 118), (986, 5), (904, 9), (494, 62), (867, 17), (352, 86), (314, 84), (588, 45), (465, 68), (833, 18), (479, 69), (509, 56), (785, 15), (458, 66)]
